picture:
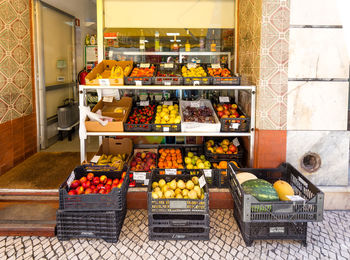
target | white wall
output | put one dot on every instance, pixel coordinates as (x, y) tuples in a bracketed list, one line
[(84, 10)]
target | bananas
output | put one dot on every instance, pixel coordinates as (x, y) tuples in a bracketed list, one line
[(127, 70), (116, 72), (116, 161), (98, 76)]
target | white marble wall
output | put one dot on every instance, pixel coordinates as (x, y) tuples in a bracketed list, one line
[(331, 146)]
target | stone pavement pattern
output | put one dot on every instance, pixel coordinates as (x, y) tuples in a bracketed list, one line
[(329, 239)]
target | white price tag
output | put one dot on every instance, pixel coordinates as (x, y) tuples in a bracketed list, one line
[(139, 176), (224, 99), (107, 99), (110, 55), (216, 66), (104, 82), (71, 179), (169, 65), (235, 125), (146, 181), (195, 104), (191, 65), (235, 142), (295, 198), (167, 83), (144, 65), (138, 82), (95, 159), (165, 129), (202, 181), (170, 171), (144, 103), (207, 173), (168, 103), (195, 82)]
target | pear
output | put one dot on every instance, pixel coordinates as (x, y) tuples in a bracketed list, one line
[(165, 189), (173, 184), (179, 196), (184, 192), (155, 195), (177, 191), (154, 185), (168, 194), (195, 180), (192, 194), (181, 184), (197, 189), (189, 185), (156, 189), (160, 194), (161, 183)]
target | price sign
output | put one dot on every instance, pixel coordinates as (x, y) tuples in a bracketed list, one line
[(146, 181), (195, 104), (95, 159), (177, 204), (224, 99), (165, 129), (195, 82), (170, 171), (71, 179), (144, 103), (235, 125), (107, 99), (139, 176), (235, 142), (144, 65), (138, 82), (167, 83), (207, 173), (168, 103), (169, 65), (216, 66), (104, 82), (191, 65), (202, 181), (110, 54), (295, 198)]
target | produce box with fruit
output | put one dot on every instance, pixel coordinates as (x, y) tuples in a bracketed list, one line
[(170, 159), (222, 75), (168, 74), (220, 171), (141, 118), (177, 193), (219, 148), (198, 116), (195, 74), (117, 110), (167, 118), (110, 70), (142, 74), (232, 119), (92, 191), (141, 164)]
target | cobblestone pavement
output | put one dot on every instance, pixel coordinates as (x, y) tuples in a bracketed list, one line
[(329, 239)]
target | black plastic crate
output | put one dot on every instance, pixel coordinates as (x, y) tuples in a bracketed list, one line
[(178, 220), (140, 80), (94, 202), (129, 127), (234, 124), (178, 233), (251, 210), (221, 175), (104, 225), (176, 79), (170, 171), (196, 81), (228, 81), (238, 157), (251, 231), (190, 206)]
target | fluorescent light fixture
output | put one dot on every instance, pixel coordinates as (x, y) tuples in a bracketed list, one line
[(172, 34), (176, 40)]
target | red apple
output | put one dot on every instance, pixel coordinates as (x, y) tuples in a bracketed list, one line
[(99, 186), (75, 184), (102, 191), (95, 191), (133, 164), (138, 155), (80, 190), (93, 187), (90, 176), (83, 179), (232, 148), (115, 181), (88, 191), (108, 191), (86, 184), (72, 192), (109, 181), (96, 180), (114, 186), (220, 114), (103, 179), (108, 186), (226, 112)]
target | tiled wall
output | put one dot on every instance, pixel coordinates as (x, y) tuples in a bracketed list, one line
[(17, 118)]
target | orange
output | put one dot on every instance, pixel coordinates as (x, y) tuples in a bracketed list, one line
[(169, 164), (178, 151), (161, 150), (167, 150), (160, 165), (168, 158), (179, 160), (172, 150), (223, 165), (161, 159)]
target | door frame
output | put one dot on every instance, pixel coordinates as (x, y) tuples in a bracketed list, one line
[(39, 70)]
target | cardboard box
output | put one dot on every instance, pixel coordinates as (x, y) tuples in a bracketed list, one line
[(107, 107), (116, 146), (104, 69)]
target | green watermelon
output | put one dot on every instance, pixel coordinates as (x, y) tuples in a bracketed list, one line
[(262, 190)]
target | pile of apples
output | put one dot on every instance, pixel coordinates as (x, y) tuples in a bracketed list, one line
[(196, 162), (143, 161), (91, 184), (225, 147), (227, 111)]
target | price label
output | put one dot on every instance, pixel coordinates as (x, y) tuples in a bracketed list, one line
[(167, 83), (139, 176), (195, 104), (224, 99), (104, 82), (195, 82), (138, 82), (165, 129), (170, 171), (144, 103), (235, 142), (144, 65), (177, 204), (71, 179), (146, 181), (202, 181), (110, 55), (295, 198), (169, 65), (168, 103), (235, 125), (207, 173), (191, 65), (216, 66), (95, 159), (107, 99)]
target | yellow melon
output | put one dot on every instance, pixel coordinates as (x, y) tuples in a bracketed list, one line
[(283, 189)]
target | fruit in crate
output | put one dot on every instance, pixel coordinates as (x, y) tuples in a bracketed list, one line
[(193, 72), (283, 189), (225, 147), (116, 72), (181, 189), (228, 111), (143, 161), (143, 72), (262, 190), (219, 72), (116, 161), (200, 115), (93, 184), (245, 176), (196, 162), (142, 115), (167, 115), (170, 158), (167, 74)]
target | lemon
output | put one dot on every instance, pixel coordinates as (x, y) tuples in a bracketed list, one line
[(166, 117), (171, 108)]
